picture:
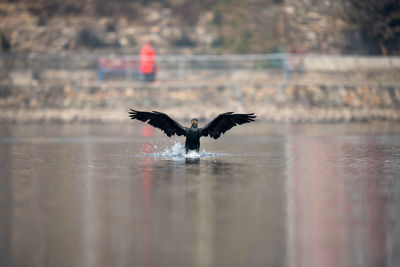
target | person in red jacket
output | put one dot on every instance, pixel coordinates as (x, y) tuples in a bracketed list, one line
[(147, 65)]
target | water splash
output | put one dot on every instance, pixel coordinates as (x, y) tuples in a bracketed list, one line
[(178, 151)]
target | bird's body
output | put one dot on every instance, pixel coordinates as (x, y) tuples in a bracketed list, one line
[(192, 142), (214, 128)]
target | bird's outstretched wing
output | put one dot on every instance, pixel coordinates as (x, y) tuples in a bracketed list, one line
[(225, 121), (159, 120)]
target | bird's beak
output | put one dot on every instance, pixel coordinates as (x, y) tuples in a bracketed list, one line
[(194, 122)]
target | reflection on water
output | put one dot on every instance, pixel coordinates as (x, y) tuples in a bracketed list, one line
[(268, 195), (337, 202)]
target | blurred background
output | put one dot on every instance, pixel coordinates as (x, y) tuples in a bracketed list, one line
[(83, 185), (328, 60)]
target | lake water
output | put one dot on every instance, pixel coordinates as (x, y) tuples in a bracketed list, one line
[(261, 195)]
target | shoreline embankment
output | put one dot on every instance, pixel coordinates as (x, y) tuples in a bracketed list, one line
[(284, 102)]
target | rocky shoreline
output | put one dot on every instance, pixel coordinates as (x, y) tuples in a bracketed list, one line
[(270, 114), (278, 103)]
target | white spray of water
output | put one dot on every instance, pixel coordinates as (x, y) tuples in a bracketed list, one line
[(177, 150)]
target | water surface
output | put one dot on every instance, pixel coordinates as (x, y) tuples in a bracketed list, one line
[(262, 195)]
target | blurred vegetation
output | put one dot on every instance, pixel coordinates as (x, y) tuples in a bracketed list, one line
[(251, 26), (5, 43), (87, 37), (378, 20), (248, 26), (49, 8), (241, 25), (183, 41)]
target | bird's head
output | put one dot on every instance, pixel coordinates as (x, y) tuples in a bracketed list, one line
[(195, 122)]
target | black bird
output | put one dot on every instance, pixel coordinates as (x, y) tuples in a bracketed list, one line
[(222, 123)]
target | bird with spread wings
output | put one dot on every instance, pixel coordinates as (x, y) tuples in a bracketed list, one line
[(219, 125)]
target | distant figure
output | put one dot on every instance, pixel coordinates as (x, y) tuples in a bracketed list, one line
[(147, 65)]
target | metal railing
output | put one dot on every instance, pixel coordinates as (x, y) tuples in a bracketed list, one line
[(84, 70)]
